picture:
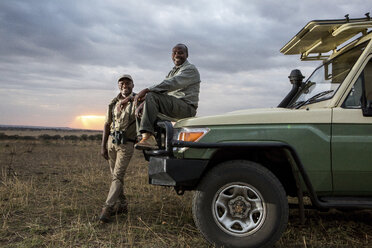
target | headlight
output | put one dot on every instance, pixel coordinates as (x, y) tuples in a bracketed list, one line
[(190, 134)]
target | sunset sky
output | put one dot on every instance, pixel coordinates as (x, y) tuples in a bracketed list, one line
[(60, 60)]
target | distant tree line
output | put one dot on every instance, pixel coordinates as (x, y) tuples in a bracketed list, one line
[(3, 136)]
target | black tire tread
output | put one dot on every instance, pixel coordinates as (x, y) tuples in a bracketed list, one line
[(238, 164)]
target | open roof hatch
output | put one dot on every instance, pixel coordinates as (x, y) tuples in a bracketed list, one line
[(322, 36)]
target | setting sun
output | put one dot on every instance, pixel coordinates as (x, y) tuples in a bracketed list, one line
[(94, 122)]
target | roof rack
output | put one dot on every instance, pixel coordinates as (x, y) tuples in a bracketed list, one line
[(319, 37)]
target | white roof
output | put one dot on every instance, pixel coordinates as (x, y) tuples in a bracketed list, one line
[(322, 36)]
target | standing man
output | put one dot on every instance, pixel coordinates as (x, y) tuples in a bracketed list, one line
[(119, 134), (177, 97)]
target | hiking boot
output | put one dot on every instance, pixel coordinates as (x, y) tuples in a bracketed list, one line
[(147, 143), (105, 214), (120, 208)]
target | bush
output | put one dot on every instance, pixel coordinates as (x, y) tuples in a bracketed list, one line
[(57, 137), (95, 137), (71, 137), (29, 137), (3, 136), (13, 137), (45, 137)]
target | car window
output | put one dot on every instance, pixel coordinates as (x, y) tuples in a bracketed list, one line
[(326, 79), (353, 100), (368, 80)]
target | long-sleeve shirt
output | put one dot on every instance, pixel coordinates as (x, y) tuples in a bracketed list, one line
[(182, 82), (123, 120)]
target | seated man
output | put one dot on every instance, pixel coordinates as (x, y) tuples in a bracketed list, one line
[(177, 97)]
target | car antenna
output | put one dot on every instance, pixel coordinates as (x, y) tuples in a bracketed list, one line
[(347, 17), (367, 15)]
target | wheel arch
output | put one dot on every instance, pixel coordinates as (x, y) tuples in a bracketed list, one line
[(274, 159)]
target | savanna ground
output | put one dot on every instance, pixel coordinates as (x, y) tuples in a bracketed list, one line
[(51, 192)]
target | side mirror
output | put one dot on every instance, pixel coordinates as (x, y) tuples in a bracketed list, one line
[(367, 108)]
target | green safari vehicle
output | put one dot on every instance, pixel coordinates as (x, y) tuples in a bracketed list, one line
[(243, 165)]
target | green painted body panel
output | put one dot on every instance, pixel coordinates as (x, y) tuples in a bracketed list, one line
[(352, 158), (311, 142)]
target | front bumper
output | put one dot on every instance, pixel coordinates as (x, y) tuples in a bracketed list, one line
[(175, 172)]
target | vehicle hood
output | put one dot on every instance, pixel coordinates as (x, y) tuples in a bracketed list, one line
[(261, 116)]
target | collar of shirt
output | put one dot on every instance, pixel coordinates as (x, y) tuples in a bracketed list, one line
[(184, 64), (176, 68), (118, 97)]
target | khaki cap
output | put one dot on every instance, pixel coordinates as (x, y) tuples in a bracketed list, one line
[(125, 76)]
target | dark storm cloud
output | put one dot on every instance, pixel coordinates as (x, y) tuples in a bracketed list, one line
[(72, 51), (96, 33), (220, 36)]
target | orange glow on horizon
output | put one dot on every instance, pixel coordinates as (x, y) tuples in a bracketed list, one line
[(94, 122)]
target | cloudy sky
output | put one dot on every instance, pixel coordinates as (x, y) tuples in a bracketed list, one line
[(61, 59)]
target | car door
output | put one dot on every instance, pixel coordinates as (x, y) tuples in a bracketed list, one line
[(351, 143)]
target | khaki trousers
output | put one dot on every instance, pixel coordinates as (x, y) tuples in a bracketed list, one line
[(119, 158), (156, 103)]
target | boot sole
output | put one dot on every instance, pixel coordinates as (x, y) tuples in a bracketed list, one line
[(144, 147)]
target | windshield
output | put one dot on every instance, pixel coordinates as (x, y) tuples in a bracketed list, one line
[(326, 79)]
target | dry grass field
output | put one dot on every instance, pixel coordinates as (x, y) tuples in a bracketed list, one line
[(37, 132), (52, 191)]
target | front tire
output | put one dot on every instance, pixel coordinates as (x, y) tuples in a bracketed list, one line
[(240, 204)]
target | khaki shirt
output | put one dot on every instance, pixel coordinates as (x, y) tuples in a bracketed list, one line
[(124, 120), (182, 82)]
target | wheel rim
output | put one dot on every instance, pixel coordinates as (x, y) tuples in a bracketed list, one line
[(239, 209)]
